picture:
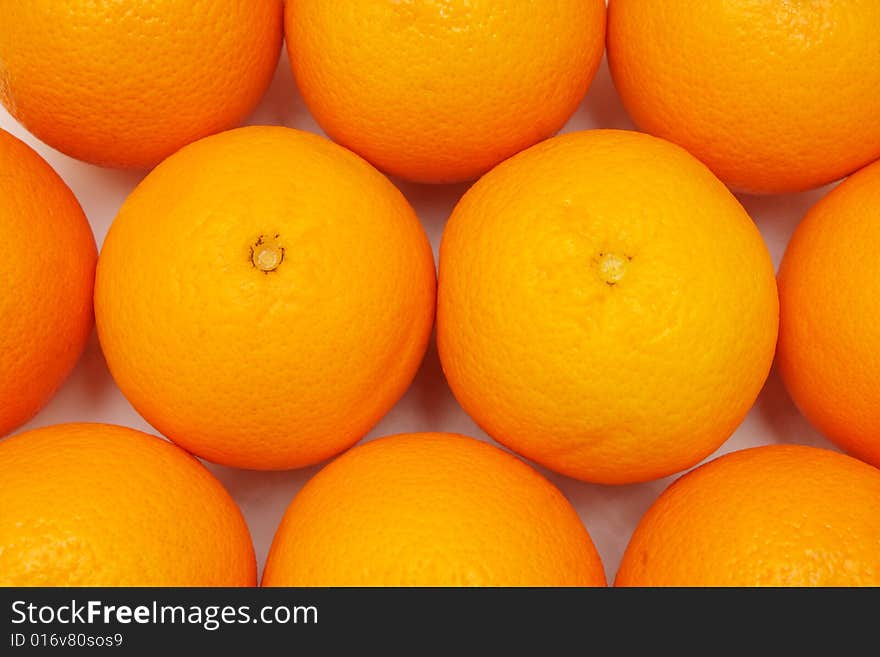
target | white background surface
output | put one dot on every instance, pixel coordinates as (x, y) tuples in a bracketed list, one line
[(610, 513)]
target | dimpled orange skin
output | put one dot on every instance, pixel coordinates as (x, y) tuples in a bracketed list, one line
[(48, 272), (606, 307), (829, 336), (102, 505), (779, 515), (431, 509), (441, 91), (773, 95), (264, 297), (125, 84)]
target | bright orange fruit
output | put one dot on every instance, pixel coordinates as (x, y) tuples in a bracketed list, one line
[(431, 509), (127, 83), (606, 307), (443, 91), (829, 332), (773, 95), (101, 505), (47, 273), (779, 515), (264, 297)]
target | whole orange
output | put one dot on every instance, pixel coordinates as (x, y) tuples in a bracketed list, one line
[(101, 505), (779, 515), (127, 83), (829, 332), (442, 91), (264, 297), (773, 95), (606, 307), (47, 273), (431, 509)]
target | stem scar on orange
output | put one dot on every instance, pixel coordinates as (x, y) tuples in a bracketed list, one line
[(606, 307), (264, 297)]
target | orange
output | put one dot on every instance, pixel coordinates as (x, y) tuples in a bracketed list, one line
[(773, 95), (101, 505), (431, 509), (442, 91), (779, 515), (829, 332), (127, 83), (606, 307), (264, 297), (47, 273)]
